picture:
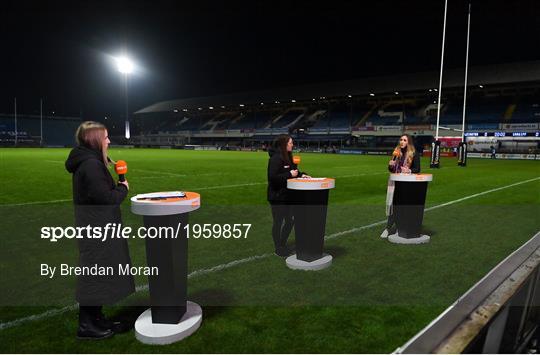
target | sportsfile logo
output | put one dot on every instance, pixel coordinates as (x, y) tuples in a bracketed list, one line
[(118, 231), (110, 230)]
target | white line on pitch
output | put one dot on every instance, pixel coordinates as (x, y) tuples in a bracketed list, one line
[(195, 189), (233, 263), (219, 187), (161, 172), (480, 194), (34, 203)]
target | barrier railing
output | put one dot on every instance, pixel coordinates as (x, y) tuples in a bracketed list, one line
[(500, 314)]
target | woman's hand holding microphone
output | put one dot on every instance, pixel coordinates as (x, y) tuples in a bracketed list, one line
[(121, 169), (395, 156)]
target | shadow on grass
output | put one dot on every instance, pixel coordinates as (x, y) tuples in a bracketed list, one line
[(428, 231), (127, 315), (213, 298), (335, 251)]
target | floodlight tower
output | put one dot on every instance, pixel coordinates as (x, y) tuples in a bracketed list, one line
[(125, 66)]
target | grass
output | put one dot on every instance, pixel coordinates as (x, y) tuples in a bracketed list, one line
[(375, 296)]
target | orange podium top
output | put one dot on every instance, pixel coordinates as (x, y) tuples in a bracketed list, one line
[(311, 183)]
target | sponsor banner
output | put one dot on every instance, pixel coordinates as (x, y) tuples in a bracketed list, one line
[(450, 142), (378, 153), (513, 126), (349, 151), (364, 128), (505, 156), (427, 153), (418, 127), (481, 126), (388, 128)]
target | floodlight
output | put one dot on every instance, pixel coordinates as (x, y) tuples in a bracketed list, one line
[(124, 65)]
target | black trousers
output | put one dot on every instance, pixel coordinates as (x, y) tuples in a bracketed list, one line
[(282, 225), (89, 313)]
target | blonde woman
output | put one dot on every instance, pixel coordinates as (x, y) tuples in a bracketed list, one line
[(97, 198), (405, 160)]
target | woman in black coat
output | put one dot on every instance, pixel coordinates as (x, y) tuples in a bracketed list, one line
[(97, 199), (280, 168), (405, 160)]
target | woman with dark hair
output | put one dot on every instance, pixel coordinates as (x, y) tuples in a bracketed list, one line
[(97, 199), (280, 168), (405, 160)]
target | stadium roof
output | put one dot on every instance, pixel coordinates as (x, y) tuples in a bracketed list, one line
[(482, 75)]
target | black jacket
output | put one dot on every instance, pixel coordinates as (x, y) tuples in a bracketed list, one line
[(97, 201), (415, 165), (278, 173)]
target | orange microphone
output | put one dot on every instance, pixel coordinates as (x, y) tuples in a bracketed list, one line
[(395, 154), (121, 169), (296, 159)]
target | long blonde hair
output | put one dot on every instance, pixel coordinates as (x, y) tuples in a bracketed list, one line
[(91, 135), (411, 151)]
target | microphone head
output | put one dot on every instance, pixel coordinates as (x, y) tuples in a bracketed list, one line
[(120, 167), (296, 159)]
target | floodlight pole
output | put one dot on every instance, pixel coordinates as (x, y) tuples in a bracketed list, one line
[(127, 133), (16, 122), (41, 122)]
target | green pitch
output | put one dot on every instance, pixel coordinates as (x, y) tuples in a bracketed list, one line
[(374, 298)]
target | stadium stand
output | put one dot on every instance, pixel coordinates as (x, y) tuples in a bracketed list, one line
[(57, 131), (498, 94)]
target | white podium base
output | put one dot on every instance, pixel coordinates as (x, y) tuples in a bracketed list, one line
[(319, 264), (160, 334), (395, 238)]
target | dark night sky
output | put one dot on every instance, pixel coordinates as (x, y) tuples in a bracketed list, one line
[(61, 52)]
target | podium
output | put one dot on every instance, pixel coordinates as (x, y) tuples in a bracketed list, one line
[(408, 207), (171, 316), (309, 206)]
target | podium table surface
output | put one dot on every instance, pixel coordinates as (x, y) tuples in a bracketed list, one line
[(166, 206), (411, 177), (311, 183)]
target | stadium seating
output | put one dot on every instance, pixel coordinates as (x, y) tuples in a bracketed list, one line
[(337, 115), (527, 111), (56, 131)]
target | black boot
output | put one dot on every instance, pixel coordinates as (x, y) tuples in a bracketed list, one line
[(116, 326), (88, 327), (283, 251)]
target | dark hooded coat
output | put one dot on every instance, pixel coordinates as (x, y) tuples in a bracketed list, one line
[(97, 201), (279, 170)]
